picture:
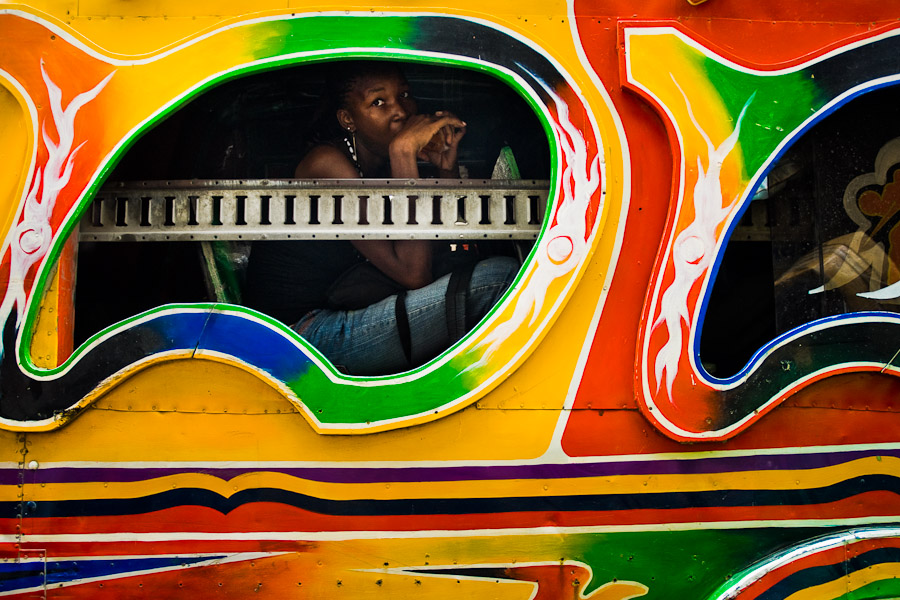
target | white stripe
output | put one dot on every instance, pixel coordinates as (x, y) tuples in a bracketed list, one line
[(435, 464), (214, 561), (343, 536), (797, 553)]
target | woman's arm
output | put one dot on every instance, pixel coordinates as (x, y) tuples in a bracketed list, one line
[(408, 262), (326, 162), (434, 138)]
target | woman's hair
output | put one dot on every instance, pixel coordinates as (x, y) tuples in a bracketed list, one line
[(342, 77)]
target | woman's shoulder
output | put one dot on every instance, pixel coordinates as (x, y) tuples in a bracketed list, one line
[(328, 161)]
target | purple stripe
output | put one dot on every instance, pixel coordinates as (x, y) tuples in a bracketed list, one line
[(426, 474)]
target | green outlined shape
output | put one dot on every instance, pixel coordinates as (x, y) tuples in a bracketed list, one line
[(424, 392)]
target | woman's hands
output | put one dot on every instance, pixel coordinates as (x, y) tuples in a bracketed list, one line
[(442, 149), (434, 138)]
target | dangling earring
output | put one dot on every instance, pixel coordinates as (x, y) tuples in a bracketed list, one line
[(351, 147)]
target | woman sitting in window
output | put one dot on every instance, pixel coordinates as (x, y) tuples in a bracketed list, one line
[(372, 129)]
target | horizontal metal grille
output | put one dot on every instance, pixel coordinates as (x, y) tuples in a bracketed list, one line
[(323, 209)]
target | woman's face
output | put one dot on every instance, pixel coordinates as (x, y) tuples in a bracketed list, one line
[(376, 109)]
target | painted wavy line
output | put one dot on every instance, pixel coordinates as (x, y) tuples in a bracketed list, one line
[(767, 480), (839, 572), (20, 575), (33, 235), (726, 498), (658, 466)]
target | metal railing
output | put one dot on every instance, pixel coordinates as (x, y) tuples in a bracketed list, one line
[(207, 210)]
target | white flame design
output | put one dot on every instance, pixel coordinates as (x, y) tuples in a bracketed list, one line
[(563, 245), (694, 247), (31, 238)]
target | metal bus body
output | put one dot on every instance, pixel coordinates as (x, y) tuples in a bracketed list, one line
[(690, 391)]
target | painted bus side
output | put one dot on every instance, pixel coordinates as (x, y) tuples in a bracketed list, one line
[(689, 392)]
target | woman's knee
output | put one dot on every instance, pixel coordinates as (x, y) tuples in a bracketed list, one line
[(490, 280), (493, 272)]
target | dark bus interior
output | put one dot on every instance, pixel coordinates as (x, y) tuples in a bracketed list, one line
[(794, 237), (810, 227), (255, 127)]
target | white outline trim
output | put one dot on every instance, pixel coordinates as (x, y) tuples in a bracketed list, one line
[(555, 449), (802, 551), (500, 371), (229, 557), (386, 535), (758, 358), (449, 464)]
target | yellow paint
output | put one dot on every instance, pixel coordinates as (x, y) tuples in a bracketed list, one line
[(663, 63), (45, 340), (194, 409), (540, 384), (12, 448), (226, 414), (136, 28), (328, 572), (619, 590), (547, 26), (654, 62), (362, 568), (848, 584), (504, 488), (16, 147)]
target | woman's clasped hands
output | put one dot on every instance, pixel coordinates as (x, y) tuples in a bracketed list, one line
[(431, 137)]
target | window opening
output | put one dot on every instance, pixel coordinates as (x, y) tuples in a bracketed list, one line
[(822, 229), (251, 132)]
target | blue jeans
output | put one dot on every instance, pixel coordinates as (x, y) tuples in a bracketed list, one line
[(366, 341)]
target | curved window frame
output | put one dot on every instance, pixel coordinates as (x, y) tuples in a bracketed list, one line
[(332, 402), (705, 117)]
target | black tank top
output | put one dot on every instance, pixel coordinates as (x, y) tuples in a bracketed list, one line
[(286, 279)]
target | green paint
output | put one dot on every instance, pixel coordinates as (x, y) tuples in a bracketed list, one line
[(318, 33), (370, 403), (275, 44), (780, 105), (682, 564), (885, 589)]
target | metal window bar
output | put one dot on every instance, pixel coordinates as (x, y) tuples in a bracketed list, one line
[(207, 210)]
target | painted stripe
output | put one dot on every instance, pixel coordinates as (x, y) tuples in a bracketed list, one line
[(386, 534), (625, 484), (593, 503), (885, 559), (128, 472)]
